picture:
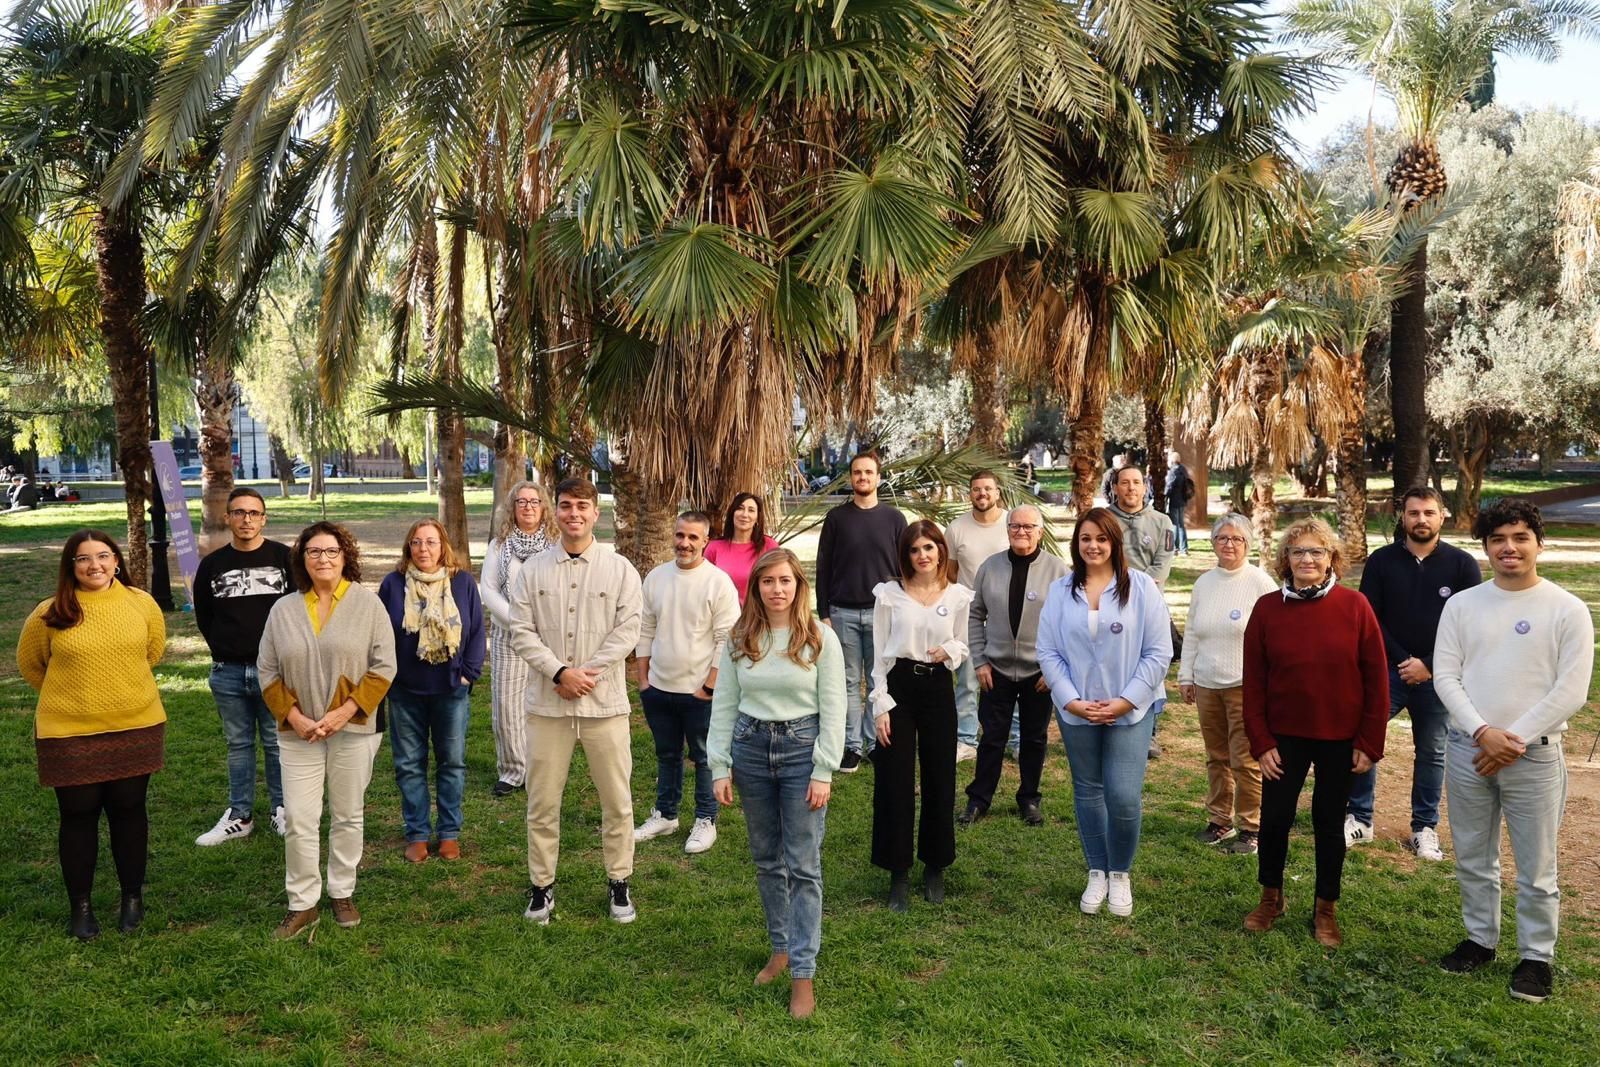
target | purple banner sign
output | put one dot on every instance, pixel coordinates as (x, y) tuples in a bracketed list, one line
[(177, 508)]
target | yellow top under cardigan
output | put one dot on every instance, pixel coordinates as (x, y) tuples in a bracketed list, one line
[(95, 677)]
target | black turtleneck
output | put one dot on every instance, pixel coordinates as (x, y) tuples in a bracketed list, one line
[(1019, 585)]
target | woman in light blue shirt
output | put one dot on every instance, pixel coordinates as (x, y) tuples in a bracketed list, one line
[(1104, 648)]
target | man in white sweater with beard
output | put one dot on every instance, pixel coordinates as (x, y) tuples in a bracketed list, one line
[(1512, 664), (689, 607)]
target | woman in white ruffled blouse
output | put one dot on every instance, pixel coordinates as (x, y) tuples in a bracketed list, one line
[(920, 632)]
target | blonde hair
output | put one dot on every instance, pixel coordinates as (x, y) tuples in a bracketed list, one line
[(447, 555), (508, 519), (750, 632), (1313, 528)]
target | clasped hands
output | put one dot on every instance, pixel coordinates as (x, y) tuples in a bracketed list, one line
[(1497, 748), (1100, 712), (323, 728), (577, 682)]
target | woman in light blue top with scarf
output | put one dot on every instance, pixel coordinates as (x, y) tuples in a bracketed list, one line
[(1104, 648)]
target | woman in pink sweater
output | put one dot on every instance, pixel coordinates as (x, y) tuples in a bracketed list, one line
[(744, 540)]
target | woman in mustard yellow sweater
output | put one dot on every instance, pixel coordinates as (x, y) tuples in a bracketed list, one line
[(100, 726)]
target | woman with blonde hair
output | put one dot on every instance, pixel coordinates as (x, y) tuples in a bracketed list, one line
[(777, 731), (99, 728), (525, 530), (1316, 694), (437, 618)]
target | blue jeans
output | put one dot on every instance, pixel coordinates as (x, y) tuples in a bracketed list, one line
[(1108, 765), (245, 717), (1180, 535), (966, 704), (1429, 724), (772, 770), (414, 720), (853, 627), (677, 719)]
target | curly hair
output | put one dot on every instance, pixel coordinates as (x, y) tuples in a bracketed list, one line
[(1317, 529), (1507, 511), (508, 517), (347, 545)]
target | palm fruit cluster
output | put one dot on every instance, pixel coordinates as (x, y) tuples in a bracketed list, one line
[(1417, 172)]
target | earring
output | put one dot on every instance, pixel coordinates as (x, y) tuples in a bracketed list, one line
[(115, 571)]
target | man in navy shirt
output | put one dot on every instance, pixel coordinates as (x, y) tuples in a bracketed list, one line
[(1407, 584)]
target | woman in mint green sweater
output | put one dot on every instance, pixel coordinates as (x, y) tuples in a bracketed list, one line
[(777, 727)]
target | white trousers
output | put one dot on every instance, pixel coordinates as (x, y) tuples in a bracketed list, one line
[(508, 681), (1530, 794), (608, 748), (342, 763)]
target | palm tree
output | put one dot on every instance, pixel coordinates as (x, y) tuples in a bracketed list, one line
[(1578, 234), (1430, 56), (75, 78)]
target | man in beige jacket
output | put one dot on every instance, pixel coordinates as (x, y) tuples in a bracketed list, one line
[(575, 617)]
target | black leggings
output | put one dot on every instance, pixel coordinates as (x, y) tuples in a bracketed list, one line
[(123, 801), (1329, 796)]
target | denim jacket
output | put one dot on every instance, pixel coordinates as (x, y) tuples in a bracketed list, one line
[(1128, 657)]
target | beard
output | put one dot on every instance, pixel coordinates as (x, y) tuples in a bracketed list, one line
[(1429, 536)]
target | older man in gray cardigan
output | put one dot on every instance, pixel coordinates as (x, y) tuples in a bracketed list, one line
[(1003, 626), (575, 613)]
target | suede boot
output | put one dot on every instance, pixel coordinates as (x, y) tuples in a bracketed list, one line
[(1324, 926), (1267, 912)]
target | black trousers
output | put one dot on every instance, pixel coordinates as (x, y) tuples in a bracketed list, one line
[(123, 801), (1329, 797), (922, 724), (994, 716)]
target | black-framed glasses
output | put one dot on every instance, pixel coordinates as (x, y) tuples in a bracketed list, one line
[(1229, 539), (1020, 527), (324, 553), (244, 513), (1308, 553), (527, 505)]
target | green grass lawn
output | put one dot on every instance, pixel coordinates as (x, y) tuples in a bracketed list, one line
[(443, 970)]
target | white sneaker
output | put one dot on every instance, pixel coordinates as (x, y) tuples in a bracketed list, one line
[(1425, 843), (227, 829), (701, 837), (1356, 832), (655, 826), (622, 909), (541, 902), (1095, 895), (279, 823), (1121, 897), (965, 752)]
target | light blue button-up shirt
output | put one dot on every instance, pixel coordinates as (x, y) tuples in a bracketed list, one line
[(1128, 656)]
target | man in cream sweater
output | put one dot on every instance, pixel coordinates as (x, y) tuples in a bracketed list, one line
[(1512, 663), (689, 607), (574, 618)]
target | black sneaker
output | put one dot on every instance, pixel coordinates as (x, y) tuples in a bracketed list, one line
[(1214, 834), (1467, 957), (851, 762), (1532, 981), (622, 909), (1245, 844), (972, 814), (541, 902), (503, 788)]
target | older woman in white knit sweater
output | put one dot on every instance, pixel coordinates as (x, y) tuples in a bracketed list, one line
[(524, 532), (1211, 677)]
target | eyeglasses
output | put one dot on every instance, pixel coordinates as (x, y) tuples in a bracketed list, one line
[(241, 514), (99, 557), (527, 505), (1308, 553), (418, 542), (324, 553), (1021, 527), (1229, 539)]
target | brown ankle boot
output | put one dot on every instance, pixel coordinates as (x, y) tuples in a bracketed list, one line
[(1324, 926), (1267, 912)]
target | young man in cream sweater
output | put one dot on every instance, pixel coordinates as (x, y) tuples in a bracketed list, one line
[(1512, 664), (689, 607)]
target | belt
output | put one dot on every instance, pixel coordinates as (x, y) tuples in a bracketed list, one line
[(783, 726), (917, 666)]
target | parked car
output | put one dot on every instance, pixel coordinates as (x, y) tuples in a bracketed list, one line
[(189, 474), (303, 470)]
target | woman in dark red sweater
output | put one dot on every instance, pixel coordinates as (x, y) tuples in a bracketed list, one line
[(1316, 693)]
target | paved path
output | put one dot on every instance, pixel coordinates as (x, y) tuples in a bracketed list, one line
[(1586, 510)]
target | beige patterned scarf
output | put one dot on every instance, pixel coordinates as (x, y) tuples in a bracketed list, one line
[(431, 614)]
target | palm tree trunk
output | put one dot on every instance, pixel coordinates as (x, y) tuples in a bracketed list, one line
[(1155, 450), (1194, 445), (644, 516), (989, 415), (1408, 376), (119, 267), (407, 468), (1265, 378), (452, 427), (1350, 477), (213, 396)]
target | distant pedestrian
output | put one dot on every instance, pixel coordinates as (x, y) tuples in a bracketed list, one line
[(1179, 491)]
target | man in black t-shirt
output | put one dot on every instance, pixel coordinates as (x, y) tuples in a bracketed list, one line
[(234, 590)]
